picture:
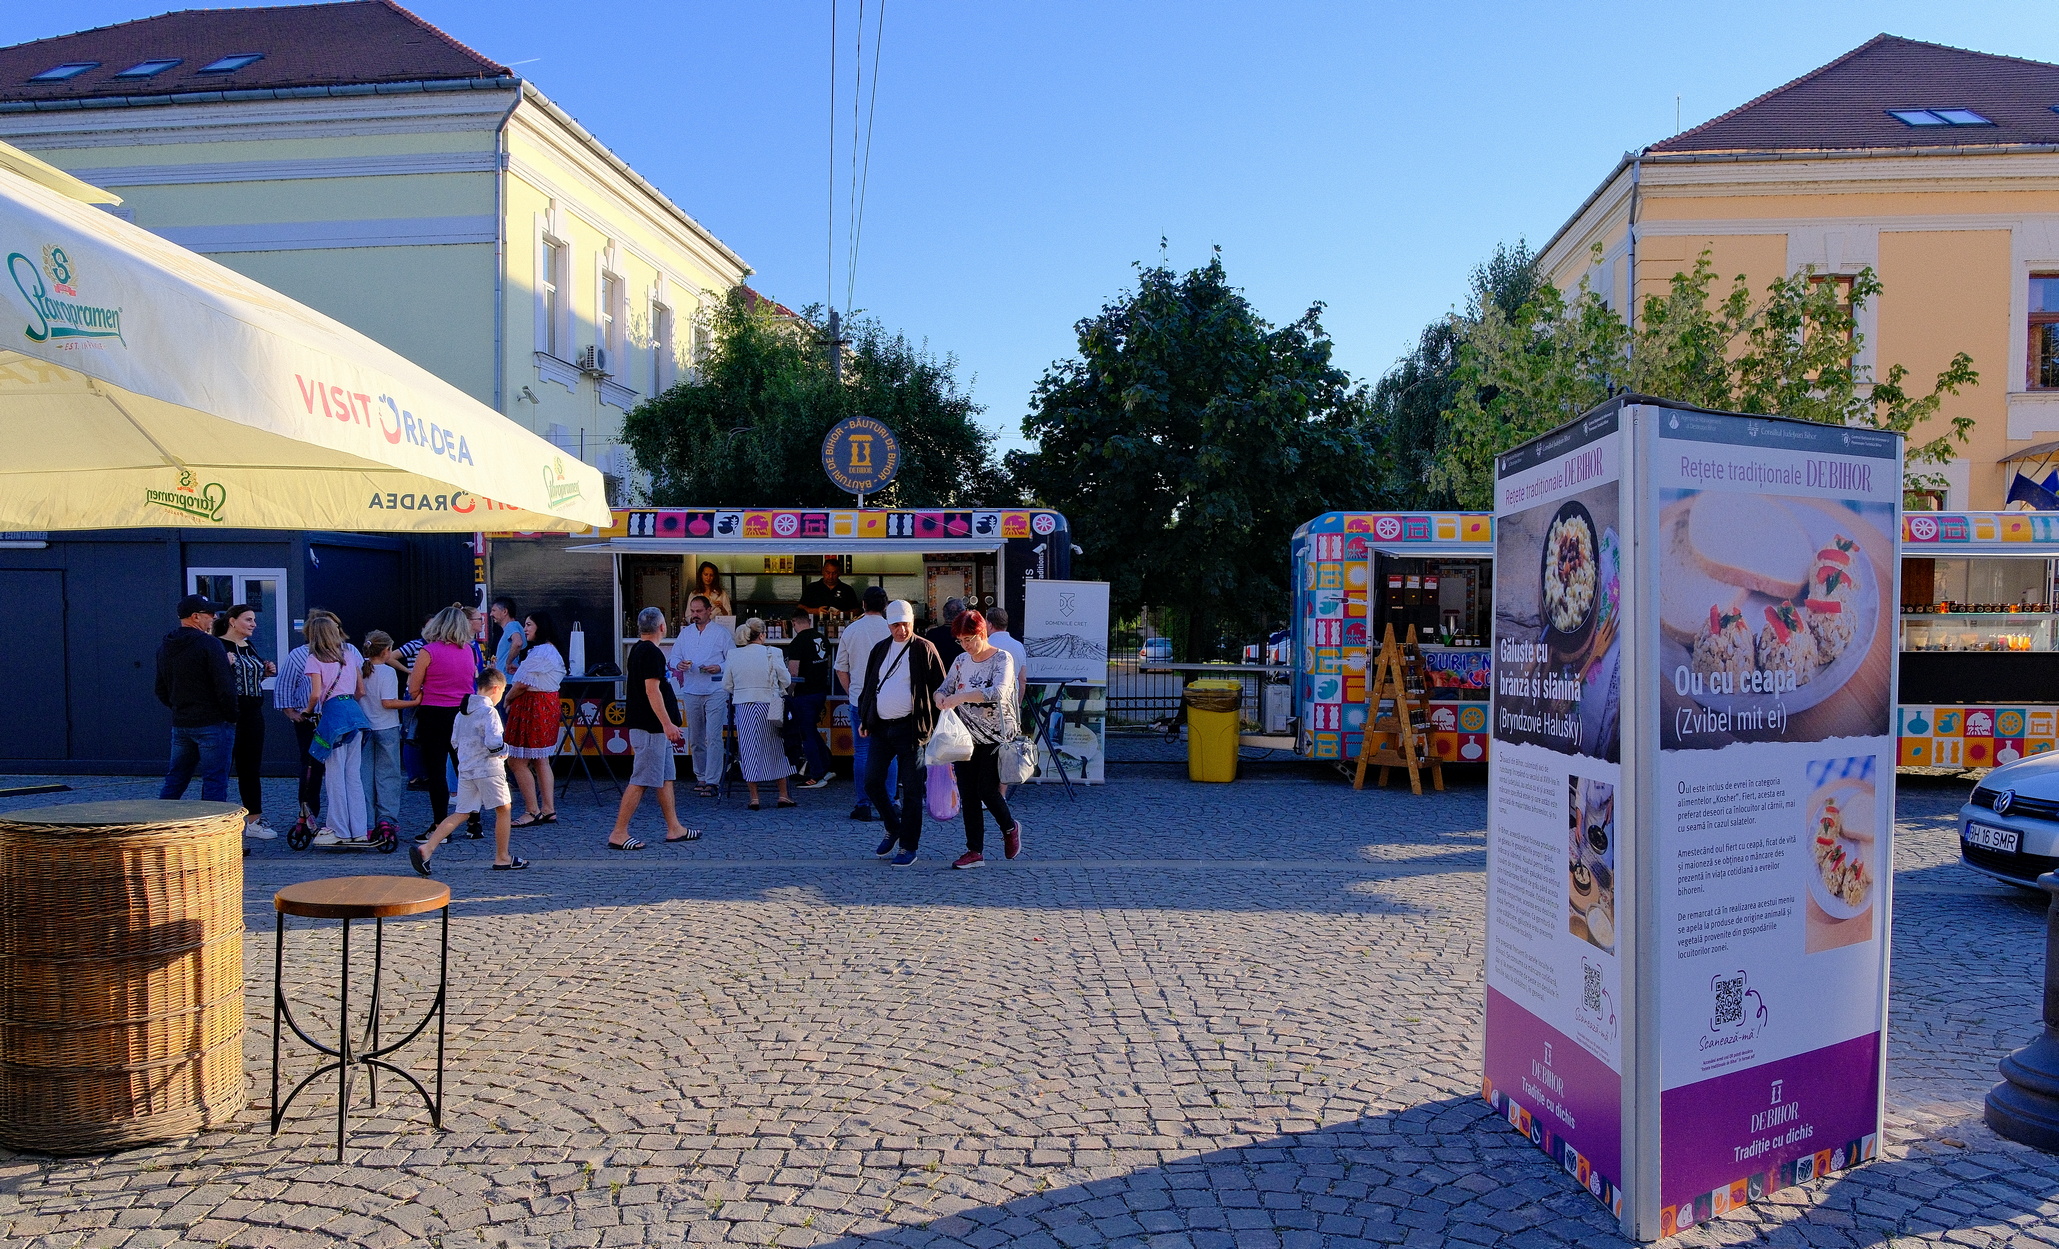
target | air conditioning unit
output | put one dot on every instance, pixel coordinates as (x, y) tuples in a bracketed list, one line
[(594, 362)]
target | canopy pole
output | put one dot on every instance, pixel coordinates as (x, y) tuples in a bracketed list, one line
[(93, 385)]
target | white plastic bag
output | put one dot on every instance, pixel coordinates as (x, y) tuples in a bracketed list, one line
[(950, 743)]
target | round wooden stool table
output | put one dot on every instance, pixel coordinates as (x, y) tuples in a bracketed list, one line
[(350, 898)]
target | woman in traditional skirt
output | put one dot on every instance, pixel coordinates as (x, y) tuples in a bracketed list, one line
[(757, 680), (533, 720)]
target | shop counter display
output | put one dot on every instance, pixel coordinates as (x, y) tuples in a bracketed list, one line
[(1355, 572)]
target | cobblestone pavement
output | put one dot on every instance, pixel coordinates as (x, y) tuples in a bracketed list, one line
[(1240, 1015)]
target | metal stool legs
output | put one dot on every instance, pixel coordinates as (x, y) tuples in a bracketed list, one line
[(372, 1055)]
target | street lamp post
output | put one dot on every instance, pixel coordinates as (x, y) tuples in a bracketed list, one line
[(2025, 1106)]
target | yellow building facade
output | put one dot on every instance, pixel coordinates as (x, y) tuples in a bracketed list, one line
[(1935, 167), (441, 205)]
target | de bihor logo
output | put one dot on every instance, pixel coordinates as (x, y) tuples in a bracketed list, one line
[(54, 307)]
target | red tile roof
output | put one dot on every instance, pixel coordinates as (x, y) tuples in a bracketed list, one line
[(360, 42), (1844, 105)]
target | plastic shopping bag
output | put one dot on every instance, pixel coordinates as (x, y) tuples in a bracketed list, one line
[(950, 743), (940, 792)]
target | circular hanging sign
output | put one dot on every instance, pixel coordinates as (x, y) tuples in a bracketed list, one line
[(861, 455)]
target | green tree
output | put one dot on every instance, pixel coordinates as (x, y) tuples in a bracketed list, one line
[(1187, 440), (1409, 401), (1794, 354), (746, 427)]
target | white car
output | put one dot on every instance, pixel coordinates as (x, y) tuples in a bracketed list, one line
[(2009, 829)]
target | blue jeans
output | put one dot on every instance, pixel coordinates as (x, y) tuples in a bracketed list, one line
[(383, 777), (206, 748), (859, 754), (806, 710)]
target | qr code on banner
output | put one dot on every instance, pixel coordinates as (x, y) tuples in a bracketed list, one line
[(1590, 987), (1729, 1000)]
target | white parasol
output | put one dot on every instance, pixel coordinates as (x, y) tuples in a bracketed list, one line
[(142, 385)]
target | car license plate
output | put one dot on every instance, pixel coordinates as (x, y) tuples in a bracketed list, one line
[(1989, 837)]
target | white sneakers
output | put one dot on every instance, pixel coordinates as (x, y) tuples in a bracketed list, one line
[(256, 829)]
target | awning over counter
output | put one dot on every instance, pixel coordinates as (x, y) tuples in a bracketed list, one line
[(1437, 550), (792, 546)]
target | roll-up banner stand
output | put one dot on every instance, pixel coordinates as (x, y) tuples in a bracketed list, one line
[(1692, 803)]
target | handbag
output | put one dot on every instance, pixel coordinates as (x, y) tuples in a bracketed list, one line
[(1017, 761)]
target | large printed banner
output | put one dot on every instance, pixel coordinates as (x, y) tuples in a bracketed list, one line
[(1692, 775), (1777, 590), (1554, 1052)]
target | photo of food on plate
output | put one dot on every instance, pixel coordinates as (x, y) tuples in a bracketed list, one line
[(1558, 611), (1843, 837), (1775, 618), (1591, 861)]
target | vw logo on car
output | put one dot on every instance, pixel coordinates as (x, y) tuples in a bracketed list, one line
[(2003, 801)]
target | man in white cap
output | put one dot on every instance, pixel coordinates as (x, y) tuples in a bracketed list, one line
[(897, 711)]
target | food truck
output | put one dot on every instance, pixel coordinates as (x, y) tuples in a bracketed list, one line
[(1978, 685), (1355, 573), (595, 583)]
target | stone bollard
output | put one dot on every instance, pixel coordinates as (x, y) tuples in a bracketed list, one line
[(2025, 1106)]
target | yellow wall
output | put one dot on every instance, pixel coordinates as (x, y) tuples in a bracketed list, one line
[(1947, 291), (433, 305), (1761, 258)]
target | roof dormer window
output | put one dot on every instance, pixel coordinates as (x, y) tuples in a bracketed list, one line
[(230, 64), (65, 72), (149, 69), (1938, 117)]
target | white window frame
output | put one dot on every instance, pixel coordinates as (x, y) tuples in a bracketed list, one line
[(282, 626), (663, 365), (553, 287)]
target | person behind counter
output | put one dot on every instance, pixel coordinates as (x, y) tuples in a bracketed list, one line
[(897, 711), (832, 593), (858, 639), (707, 583), (756, 680), (943, 636), (807, 661), (698, 656)]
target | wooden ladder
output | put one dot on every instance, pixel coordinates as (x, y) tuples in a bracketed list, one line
[(1397, 728)]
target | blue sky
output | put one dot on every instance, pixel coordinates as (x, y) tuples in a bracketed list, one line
[(1024, 155)]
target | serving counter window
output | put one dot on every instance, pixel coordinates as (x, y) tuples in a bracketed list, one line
[(1977, 684)]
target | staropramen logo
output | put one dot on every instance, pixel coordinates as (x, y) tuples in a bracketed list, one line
[(55, 311), (203, 501), (555, 487)]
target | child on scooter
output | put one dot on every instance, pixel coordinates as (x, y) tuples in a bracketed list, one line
[(482, 775)]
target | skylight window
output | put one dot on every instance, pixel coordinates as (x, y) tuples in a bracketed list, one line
[(1938, 117), (68, 70), (230, 64), (147, 69)]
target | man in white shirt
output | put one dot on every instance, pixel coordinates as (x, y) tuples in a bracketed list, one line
[(852, 650), (897, 711), (698, 656), (998, 635)]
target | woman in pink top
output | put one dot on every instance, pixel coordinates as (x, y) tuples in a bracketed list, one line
[(442, 676)]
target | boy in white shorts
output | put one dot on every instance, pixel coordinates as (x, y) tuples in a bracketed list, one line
[(482, 775)]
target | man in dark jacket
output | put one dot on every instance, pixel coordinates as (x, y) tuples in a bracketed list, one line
[(195, 681), (897, 711)]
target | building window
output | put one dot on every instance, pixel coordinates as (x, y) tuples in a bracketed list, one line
[(610, 321), (661, 347), (2044, 331), (1842, 285), (552, 281)]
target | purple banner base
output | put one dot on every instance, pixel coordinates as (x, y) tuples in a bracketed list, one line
[(1728, 1141), (1556, 1093)]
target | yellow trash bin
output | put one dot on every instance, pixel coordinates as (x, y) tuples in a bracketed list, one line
[(1214, 708)]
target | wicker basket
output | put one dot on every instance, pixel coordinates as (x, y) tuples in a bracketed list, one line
[(121, 973)]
